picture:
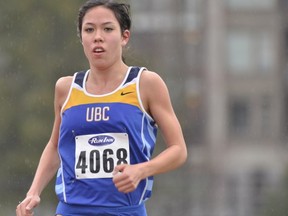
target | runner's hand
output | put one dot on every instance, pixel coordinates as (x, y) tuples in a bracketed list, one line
[(26, 207), (126, 177)]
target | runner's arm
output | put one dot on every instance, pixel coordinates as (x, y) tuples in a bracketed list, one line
[(49, 161)]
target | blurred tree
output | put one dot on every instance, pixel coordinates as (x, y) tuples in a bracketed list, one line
[(38, 44), (278, 200)]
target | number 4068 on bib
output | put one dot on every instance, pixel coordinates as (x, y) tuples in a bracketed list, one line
[(99, 160)]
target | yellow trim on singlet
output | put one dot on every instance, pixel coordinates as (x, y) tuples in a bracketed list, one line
[(78, 97)]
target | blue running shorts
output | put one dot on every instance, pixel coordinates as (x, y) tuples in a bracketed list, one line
[(65, 209)]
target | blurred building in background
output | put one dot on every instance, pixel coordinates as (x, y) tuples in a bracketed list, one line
[(245, 103), (227, 59)]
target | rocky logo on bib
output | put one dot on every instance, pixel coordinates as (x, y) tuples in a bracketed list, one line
[(96, 155)]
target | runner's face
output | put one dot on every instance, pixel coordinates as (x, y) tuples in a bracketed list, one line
[(101, 37)]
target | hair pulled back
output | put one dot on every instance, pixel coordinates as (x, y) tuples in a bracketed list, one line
[(120, 10)]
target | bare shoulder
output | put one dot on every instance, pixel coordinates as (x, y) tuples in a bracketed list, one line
[(153, 90), (62, 88), (150, 76), (64, 83), (152, 80)]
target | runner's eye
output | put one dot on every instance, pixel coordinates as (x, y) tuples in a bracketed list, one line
[(88, 29), (108, 29)]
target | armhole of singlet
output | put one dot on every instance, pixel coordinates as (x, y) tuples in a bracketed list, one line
[(139, 93), (69, 93)]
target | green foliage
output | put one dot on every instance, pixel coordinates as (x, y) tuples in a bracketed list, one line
[(278, 200), (38, 45)]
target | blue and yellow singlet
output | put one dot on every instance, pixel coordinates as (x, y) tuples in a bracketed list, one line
[(97, 133)]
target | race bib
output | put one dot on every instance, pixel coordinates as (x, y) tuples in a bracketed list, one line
[(96, 155)]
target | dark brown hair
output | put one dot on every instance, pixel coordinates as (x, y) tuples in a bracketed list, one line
[(120, 10)]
